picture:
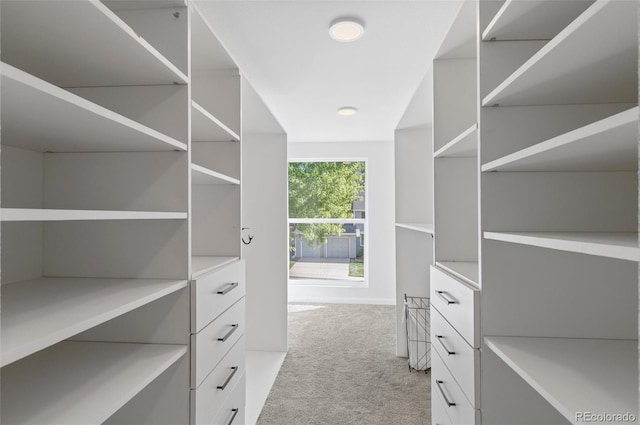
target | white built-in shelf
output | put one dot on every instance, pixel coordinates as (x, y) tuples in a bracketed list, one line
[(593, 60), (39, 116), (533, 20), (576, 375), (460, 42), (202, 175), (81, 382), (623, 246), (35, 214), (93, 46), (464, 145), (610, 144), (207, 128), (465, 270), (207, 52), (201, 265), (41, 312), (418, 227)]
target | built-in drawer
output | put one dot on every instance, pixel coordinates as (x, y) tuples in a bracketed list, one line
[(459, 303), (460, 358), (447, 390), (232, 411), (208, 398), (214, 292), (439, 412), (211, 344)]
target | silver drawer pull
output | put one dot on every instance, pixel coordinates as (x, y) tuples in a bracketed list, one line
[(449, 353), (233, 329), (445, 299), (234, 369), (446, 400), (233, 417), (228, 288)]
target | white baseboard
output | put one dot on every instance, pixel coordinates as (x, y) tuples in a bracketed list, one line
[(335, 300)]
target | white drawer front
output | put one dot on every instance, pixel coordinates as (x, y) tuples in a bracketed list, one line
[(210, 345), (462, 361), (439, 412), (232, 411), (213, 293), (458, 303), (444, 387), (208, 398)]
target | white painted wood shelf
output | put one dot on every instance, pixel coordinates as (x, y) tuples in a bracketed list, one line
[(623, 246), (41, 312), (207, 128), (39, 116), (591, 61), (465, 270), (532, 20), (202, 175), (81, 382), (35, 214), (94, 47), (418, 227), (464, 145), (575, 375), (201, 265), (610, 144), (207, 53)]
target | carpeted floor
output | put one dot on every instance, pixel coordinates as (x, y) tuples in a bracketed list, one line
[(341, 369)]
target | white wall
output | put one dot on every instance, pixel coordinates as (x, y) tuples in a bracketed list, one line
[(380, 249), (264, 211)]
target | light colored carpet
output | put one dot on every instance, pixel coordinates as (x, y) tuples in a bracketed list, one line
[(341, 369)]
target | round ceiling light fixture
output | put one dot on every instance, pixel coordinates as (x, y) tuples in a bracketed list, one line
[(347, 111), (346, 29)]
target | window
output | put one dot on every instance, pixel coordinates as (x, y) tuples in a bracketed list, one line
[(327, 223)]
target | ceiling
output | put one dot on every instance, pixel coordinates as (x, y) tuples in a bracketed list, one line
[(284, 50)]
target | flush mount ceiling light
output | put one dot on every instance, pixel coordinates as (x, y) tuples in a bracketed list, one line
[(347, 110), (346, 29)]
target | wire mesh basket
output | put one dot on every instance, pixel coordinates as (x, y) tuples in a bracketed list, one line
[(417, 322)]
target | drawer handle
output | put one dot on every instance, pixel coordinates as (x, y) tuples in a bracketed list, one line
[(234, 369), (445, 299), (233, 329), (233, 417), (446, 400), (228, 288), (449, 353)]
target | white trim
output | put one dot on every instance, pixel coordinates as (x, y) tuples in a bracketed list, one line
[(327, 220), (332, 300)]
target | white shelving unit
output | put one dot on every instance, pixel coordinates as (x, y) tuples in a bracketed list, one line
[(463, 145), (65, 307), (95, 213), (558, 132), (207, 128), (81, 382), (418, 227), (64, 55), (201, 265), (532, 20), (549, 78), (25, 214), (623, 246), (465, 270), (201, 175), (78, 125), (605, 145), (414, 206), (575, 375)]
